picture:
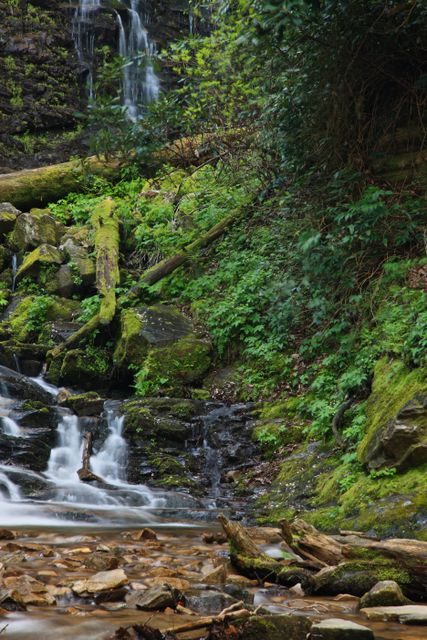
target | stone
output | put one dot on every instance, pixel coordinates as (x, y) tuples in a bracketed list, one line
[(79, 369), (215, 576), (6, 534), (337, 629), (397, 418), (144, 534), (101, 582), (21, 387), (386, 593), (63, 282), (7, 221), (26, 590), (357, 577), (162, 341), (101, 561), (276, 627), (77, 252), (156, 598), (85, 404), (408, 614), (209, 601), (36, 228), (42, 255), (174, 583), (7, 207)]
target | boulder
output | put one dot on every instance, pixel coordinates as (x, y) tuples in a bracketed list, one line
[(337, 629), (277, 627), (85, 404), (7, 222), (157, 598), (54, 309), (77, 248), (36, 228), (408, 614), (44, 254), (397, 418), (386, 593), (79, 368), (102, 581), (63, 283), (160, 342), (358, 577), (19, 386)]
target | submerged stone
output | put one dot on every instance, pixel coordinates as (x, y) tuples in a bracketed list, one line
[(409, 614), (337, 629), (157, 598)]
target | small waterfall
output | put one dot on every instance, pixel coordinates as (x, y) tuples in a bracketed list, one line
[(12, 490), (110, 461), (14, 271), (84, 37), (10, 427), (140, 84), (65, 459)]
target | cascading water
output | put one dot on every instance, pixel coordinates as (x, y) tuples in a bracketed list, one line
[(14, 271), (140, 84), (65, 459), (110, 462), (84, 37), (9, 426)]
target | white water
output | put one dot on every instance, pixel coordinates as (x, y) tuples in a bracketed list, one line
[(50, 388), (14, 271), (140, 84), (110, 461), (10, 427)]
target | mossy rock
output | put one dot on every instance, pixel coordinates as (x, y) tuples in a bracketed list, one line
[(277, 627), (44, 254), (78, 368), (58, 308), (85, 404), (146, 420), (3, 257), (36, 228), (358, 577), (397, 418), (7, 222), (77, 244)]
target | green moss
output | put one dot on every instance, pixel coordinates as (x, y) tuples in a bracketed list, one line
[(106, 225), (44, 254), (130, 347), (394, 385), (280, 409), (172, 367), (19, 319)]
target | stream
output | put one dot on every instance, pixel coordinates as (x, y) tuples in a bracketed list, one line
[(65, 529)]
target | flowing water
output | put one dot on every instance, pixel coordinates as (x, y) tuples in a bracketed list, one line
[(14, 271), (140, 84)]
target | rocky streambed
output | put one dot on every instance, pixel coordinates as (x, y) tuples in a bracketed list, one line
[(127, 584)]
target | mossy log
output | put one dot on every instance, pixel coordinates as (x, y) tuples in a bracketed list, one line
[(168, 265), (106, 226), (37, 187), (249, 560)]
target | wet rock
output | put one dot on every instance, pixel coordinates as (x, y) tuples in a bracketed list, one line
[(277, 627), (20, 387), (112, 595), (36, 228), (209, 602), (101, 561), (26, 590), (144, 534), (100, 582), (357, 577), (386, 593), (337, 629), (156, 598), (215, 576), (175, 583), (408, 614), (45, 254), (85, 404)]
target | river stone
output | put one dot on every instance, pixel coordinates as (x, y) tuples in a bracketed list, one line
[(386, 593), (277, 627), (101, 581), (43, 254), (36, 228), (209, 602), (408, 614), (356, 577), (156, 598), (337, 629)]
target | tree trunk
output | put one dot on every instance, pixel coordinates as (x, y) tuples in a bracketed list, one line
[(85, 474)]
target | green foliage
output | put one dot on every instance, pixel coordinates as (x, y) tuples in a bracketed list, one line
[(37, 312), (90, 307)]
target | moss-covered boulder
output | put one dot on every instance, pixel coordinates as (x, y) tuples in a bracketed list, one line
[(276, 627), (85, 404), (35, 228), (45, 254), (164, 419), (396, 433), (77, 245), (161, 343), (86, 369), (7, 221), (386, 593), (359, 576), (52, 308)]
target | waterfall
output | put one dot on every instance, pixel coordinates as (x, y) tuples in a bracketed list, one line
[(14, 271), (12, 490), (110, 461), (10, 427), (140, 84), (84, 37), (65, 459)]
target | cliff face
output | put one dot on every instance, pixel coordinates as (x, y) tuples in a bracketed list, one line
[(42, 81)]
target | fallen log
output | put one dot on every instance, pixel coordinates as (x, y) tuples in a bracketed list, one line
[(249, 560), (85, 474), (37, 187), (168, 265), (106, 227), (230, 614)]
